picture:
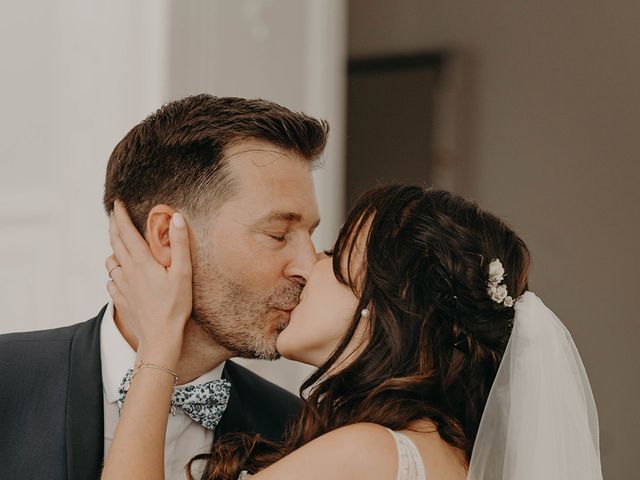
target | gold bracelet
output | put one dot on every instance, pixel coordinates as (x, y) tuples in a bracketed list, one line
[(142, 365)]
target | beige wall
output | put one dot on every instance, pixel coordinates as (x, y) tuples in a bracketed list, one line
[(541, 107)]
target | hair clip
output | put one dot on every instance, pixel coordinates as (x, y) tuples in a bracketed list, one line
[(496, 289)]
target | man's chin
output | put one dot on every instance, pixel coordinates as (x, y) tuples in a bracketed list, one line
[(270, 357), (268, 351), (271, 334), (283, 319)]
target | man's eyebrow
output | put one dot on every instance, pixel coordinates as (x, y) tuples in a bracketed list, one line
[(284, 216)]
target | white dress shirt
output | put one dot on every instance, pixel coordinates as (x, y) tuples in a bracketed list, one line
[(185, 438)]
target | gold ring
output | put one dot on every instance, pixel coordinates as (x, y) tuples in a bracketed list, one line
[(112, 269)]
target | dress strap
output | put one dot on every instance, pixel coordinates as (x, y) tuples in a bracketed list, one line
[(410, 465)]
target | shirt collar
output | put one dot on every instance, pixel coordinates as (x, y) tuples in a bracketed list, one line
[(117, 357)]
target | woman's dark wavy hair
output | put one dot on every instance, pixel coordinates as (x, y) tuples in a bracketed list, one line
[(435, 337)]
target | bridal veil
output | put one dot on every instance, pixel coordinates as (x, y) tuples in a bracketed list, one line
[(540, 419)]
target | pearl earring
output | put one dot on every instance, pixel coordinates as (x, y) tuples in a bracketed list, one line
[(365, 313)]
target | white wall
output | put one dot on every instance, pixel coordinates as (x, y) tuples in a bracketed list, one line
[(541, 109), (76, 76)]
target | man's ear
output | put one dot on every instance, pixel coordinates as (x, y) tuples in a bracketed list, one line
[(158, 222)]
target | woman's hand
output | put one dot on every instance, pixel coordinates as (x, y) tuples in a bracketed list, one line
[(154, 301)]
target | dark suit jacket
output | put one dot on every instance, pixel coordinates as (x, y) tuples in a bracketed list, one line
[(51, 405)]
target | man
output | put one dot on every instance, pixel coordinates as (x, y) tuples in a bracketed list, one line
[(240, 173)]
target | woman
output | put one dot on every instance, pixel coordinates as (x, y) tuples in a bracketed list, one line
[(422, 302)]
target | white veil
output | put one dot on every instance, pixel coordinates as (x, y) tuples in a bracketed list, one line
[(540, 420)]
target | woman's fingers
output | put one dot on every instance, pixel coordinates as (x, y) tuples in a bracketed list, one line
[(180, 248), (156, 301), (114, 292), (111, 263), (115, 272), (128, 234), (114, 268), (120, 250)]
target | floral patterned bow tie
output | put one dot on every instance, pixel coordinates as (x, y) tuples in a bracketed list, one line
[(205, 403)]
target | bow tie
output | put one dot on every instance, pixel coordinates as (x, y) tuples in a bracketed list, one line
[(205, 403)]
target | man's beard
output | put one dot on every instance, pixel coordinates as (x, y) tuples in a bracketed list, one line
[(236, 318)]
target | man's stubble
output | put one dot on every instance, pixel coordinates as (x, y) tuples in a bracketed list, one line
[(236, 317)]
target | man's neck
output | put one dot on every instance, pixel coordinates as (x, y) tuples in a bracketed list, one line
[(199, 355)]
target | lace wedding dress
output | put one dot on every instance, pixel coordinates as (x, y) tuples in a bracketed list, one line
[(410, 466)]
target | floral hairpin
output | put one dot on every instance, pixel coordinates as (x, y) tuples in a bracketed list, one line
[(498, 290)]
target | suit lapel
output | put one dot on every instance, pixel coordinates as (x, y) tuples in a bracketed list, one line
[(233, 419), (85, 424)]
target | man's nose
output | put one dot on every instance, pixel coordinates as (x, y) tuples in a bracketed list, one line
[(302, 263)]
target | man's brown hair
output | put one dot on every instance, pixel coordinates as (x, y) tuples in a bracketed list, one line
[(175, 156)]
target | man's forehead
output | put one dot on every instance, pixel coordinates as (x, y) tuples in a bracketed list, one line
[(273, 184), (252, 167)]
